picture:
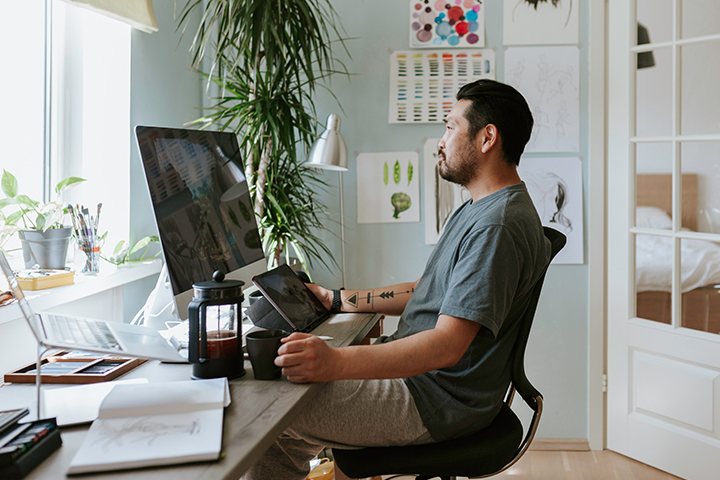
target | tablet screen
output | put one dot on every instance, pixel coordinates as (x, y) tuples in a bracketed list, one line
[(291, 298)]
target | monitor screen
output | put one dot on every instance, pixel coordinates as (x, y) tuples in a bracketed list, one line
[(204, 217)]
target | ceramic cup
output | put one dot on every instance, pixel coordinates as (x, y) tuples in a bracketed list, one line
[(262, 348)]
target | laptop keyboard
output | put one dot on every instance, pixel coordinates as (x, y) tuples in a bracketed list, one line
[(78, 331)]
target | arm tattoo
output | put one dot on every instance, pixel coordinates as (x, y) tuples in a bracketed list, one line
[(355, 299)]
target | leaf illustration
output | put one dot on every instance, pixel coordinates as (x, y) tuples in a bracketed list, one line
[(233, 217), (396, 172), (385, 174), (410, 172)]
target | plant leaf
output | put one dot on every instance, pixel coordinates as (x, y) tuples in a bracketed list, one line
[(9, 184), (66, 183)]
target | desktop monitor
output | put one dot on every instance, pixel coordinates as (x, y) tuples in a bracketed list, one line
[(202, 207)]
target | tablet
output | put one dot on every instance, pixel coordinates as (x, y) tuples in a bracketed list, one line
[(300, 308)]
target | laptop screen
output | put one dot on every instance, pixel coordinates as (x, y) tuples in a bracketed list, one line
[(291, 298), (20, 297)]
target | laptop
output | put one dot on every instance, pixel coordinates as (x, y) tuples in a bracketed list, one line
[(292, 299), (78, 333)]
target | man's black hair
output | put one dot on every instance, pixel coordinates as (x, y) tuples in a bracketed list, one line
[(501, 105)]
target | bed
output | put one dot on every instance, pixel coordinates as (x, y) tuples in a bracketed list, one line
[(700, 259)]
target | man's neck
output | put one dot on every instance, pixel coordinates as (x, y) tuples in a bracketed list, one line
[(496, 177)]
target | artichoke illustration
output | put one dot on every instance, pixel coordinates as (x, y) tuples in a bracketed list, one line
[(401, 201)]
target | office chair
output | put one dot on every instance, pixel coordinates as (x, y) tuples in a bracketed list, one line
[(481, 454)]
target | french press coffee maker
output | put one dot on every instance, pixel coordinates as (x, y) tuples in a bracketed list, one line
[(214, 330)]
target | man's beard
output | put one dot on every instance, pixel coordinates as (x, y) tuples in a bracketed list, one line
[(465, 167)]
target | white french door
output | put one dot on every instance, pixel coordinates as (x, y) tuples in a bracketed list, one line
[(664, 234)]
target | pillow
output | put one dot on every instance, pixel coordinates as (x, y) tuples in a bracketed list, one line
[(653, 217)]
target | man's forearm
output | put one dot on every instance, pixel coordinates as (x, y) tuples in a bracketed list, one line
[(387, 300)]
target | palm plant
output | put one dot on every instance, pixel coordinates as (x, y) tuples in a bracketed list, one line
[(269, 58)]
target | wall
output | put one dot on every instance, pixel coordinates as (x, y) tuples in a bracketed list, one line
[(163, 93), (384, 254)]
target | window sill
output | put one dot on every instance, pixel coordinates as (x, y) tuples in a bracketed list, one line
[(110, 277)]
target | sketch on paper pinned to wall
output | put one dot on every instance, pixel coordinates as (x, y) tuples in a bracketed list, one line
[(388, 187), (555, 185), (540, 22), (447, 23), (423, 84), (548, 78), (442, 198)]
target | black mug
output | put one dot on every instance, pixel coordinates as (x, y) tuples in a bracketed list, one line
[(262, 348)]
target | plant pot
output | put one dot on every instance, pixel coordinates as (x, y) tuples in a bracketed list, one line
[(47, 249)]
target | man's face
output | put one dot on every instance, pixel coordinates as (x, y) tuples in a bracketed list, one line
[(459, 156)]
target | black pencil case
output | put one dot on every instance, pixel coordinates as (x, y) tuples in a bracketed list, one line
[(27, 449)]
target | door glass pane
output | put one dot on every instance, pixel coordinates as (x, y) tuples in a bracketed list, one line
[(700, 18), (700, 285), (701, 186), (700, 95), (656, 16), (653, 93), (653, 187), (653, 277)]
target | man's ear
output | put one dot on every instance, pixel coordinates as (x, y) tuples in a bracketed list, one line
[(489, 137)]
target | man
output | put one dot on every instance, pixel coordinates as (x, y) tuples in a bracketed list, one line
[(444, 372)]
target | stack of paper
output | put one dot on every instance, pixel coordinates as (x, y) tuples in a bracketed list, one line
[(155, 424)]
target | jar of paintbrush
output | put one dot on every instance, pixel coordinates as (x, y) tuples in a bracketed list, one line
[(86, 237)]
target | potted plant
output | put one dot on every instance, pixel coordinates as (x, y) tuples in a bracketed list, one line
[(43, 237), (269, 57)]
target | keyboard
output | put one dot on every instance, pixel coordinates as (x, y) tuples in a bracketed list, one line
[(81, 332)]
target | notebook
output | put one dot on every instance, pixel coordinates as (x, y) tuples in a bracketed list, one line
[(292, 299), (78, 333), (141, 425)]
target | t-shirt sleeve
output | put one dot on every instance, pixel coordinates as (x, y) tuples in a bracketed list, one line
[(484, 279)]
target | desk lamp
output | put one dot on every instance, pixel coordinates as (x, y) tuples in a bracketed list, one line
[(330, 153), (231, 179)]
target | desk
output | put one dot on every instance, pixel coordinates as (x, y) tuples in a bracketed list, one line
[(258, 413)]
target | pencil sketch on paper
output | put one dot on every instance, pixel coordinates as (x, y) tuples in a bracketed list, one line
[(555, 3), (540, 22), (555, 186), (145, 430), (442, 198), (548, 78)]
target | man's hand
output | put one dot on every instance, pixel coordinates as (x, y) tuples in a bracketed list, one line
[(306, 358), (323, 294)]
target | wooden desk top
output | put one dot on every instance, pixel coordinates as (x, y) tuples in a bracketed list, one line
[(258, 413)]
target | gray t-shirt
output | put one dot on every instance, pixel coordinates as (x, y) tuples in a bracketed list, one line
[(483, 269)]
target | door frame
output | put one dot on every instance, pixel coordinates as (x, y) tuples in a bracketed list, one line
[(597, 224)]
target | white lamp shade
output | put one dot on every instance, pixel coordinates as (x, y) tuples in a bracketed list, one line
[(329, 151)]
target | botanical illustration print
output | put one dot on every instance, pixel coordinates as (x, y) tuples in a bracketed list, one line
[(388, 187)]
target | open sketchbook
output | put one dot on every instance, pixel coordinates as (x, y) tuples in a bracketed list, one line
[(142, 425)]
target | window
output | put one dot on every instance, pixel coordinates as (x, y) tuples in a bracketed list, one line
[(80, 124)]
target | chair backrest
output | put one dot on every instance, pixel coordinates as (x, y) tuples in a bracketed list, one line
[(519, 379)]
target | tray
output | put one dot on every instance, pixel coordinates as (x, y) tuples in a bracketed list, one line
[(67, 367), (41, 279)]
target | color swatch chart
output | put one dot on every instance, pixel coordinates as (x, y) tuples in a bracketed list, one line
[(423, 84)]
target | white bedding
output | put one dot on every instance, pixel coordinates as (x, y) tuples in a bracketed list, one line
[(700, 259)]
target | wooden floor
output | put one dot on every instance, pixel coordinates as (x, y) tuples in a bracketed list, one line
[(555, 465)]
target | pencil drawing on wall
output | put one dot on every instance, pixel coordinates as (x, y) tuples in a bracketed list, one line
[(548, 78), (555, 185), (540, 22)]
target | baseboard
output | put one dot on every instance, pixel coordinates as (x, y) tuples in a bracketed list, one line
[(564, 444)]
